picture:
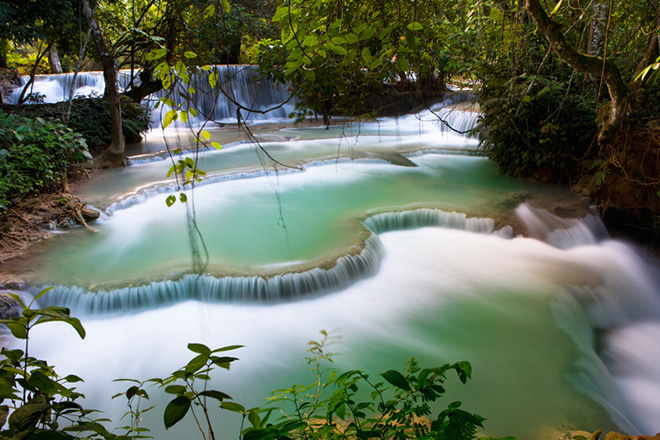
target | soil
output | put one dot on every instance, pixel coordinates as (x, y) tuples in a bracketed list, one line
[(31, 221)]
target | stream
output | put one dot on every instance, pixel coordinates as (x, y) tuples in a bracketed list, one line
[(383, 233)]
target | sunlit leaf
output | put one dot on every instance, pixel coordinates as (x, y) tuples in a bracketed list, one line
[(556, 8), (216, 145), (190, 54), (415, 26), (170, 116)]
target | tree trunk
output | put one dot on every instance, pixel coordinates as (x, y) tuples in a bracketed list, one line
[(54, 59), (593, 65), (33, 73), (114, 154), (598, 29)]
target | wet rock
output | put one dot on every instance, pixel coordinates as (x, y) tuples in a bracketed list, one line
[(89, 214), (9, 308)]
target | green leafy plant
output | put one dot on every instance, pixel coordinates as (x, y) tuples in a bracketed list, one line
[(189, 385), (36, 153), (36, 402), (352, 405)]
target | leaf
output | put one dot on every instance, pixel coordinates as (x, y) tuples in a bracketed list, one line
[(310, 75), (216, 145), (228, 348), (184, 117), (366, 55), (464, 370), (352, 38), (175, 411), (227, 6), (396, 379), (42, 382), (18, 330), (18, 299), (253, 417), (169, 201), (415, 26), (60, 314), (175, 389), (206, 135), (170, 116), (233, 406), (213, 79), (27, 416), (189, 54), (156, 54), (338, 50), (219, 395), (556, 8), (43, 292), (199, 348)]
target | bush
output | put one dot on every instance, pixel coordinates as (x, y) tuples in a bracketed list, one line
[(91, 118), (35, 154), (536, 126)]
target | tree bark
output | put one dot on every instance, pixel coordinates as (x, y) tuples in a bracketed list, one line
[(54, 59), (114, 154), (593, 65)]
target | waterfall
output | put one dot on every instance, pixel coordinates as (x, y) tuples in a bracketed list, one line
[(207, 288), (345, 271), (55, 88), (239, 84), (611, 320), (419, 218)]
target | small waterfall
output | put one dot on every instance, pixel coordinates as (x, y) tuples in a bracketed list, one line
[(56, 87), (239, 83), (236, 84), (345, 271), (267, 289), (602, 318), (559, 232), (419, 218)]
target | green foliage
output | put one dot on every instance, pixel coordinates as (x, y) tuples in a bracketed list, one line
[(189, 385), (91, 118), (536, 126), (35, 401), (339, 55), (351, 405), (35, 155)]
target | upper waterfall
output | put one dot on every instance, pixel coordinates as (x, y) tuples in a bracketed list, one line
[(237, 84)]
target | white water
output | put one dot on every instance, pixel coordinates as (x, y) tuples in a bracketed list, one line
[(239, 83), (560, 328)]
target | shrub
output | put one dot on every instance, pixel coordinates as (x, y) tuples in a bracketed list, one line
[(35, 154), (536, 126)]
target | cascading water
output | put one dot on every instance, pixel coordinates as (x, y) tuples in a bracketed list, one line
[(240, 84), (382, 235)]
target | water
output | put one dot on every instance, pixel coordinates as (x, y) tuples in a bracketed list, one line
[(381, 233)]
